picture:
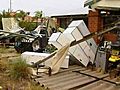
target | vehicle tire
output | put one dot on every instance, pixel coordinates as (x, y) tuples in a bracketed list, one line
[(36, 45), (18, 46)]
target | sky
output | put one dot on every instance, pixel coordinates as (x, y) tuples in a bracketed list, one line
[(49, 7)]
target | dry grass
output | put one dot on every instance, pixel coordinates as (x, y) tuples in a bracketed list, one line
[(14, 74), (8, 83), (19, 69), (7, 50), (3, 65)]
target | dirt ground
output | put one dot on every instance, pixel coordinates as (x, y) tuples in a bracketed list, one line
[(7, 55)]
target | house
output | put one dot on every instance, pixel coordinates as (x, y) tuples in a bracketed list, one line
[(102, 13), (64, 20), (68, 14), (28, 18)]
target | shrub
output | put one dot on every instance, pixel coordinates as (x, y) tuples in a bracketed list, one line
[(19, 69), (29, 26)]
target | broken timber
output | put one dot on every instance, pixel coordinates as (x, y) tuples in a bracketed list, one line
[(76, 42)]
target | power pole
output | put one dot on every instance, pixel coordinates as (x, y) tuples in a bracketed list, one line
[(10, 2)]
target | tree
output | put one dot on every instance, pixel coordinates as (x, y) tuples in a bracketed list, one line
[(5, 14), (29, 26), (38, 14), (20, 14)]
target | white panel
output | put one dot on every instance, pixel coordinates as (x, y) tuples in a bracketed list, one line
[(92, 44), (73, 34), (72, 49), (54, 36), (101, 60), (56, 44), (75, 31), (88, 51), (68, 34), (53, 40), (63, 40), (34, 57), (58, 40), (81, 26), (80, 55), (84, 31), (75, 23)]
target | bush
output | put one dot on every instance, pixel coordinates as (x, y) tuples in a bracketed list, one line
[(29, 26), (19, 69)]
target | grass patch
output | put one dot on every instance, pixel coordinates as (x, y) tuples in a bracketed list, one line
[(19, 69), (6, 50), (15, 73), (3, 65), (3, 50)]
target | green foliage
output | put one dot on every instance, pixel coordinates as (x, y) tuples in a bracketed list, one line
[(38, 14), (29, 26), (20, 14), (19, 69), (50, 48), (5, 14)]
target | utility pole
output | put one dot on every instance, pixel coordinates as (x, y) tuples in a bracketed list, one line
[(10, 2)]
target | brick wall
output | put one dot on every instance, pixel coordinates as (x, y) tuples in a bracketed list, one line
[(110, 37), (95, 22)]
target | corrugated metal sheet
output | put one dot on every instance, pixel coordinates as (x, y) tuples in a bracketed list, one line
[(65, 79), (103, 4), (94, 74), (77, 78), (107, 4), (90, 2), (100, 85), (115, 80)]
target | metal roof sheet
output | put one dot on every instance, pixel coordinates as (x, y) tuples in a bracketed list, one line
[(107, 4), (77, 78), (104, 4)]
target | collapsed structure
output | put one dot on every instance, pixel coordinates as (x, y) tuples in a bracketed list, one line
[(85, 51), (82, 45)]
